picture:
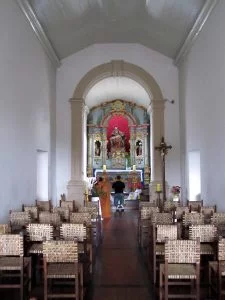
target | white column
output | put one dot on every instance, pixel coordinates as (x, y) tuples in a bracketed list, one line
[(132, 145), (104, 146), (78, 168), (90, 153), (85, 141), (156, 111)]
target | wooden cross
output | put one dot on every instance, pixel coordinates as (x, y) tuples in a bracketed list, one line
[(163, 148)]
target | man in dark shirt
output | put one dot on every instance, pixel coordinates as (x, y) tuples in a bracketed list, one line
[(118, 187)]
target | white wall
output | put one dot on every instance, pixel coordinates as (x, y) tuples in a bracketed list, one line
[(42, 175), (76, 66), (202, 96), (194, 176), (27, 95)]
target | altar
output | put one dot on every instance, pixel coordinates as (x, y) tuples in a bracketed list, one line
[(127, 176), (118, 139)]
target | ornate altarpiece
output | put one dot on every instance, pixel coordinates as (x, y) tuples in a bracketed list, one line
[(118, 139)]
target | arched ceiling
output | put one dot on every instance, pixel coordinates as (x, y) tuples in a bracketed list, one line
[(112, 88), (71, 25)]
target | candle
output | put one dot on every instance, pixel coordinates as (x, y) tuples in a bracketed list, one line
[(158, 187), (134, 167), (104, 167)]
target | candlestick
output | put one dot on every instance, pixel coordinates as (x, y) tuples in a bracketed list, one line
[(104, 168), (158, 201), (158, 187)]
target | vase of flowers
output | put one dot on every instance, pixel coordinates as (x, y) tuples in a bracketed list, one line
[(175, 191)]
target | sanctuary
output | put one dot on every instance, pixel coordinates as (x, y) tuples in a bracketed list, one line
[(118, 140)]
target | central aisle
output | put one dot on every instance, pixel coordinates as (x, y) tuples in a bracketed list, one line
[(119, 272)]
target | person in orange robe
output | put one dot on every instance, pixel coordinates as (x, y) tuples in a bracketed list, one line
[(103, 188)]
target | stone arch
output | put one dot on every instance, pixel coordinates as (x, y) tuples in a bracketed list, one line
[(118, 68), (155, 109)]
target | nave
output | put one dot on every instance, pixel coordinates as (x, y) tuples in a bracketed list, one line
[(120, 268), (119, 271)]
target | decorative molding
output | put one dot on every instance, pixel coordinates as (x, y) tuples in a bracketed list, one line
[(76, 100), (117, 68), (106, 103), (157, 121), (39, 31), (146, 80), (86, 109), (196, 29)]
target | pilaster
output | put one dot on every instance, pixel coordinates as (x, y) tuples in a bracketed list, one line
[(156, 111), (78, 153), (132, 144), (104, 145)]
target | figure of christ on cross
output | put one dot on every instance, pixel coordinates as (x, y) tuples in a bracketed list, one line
[(163, 148)]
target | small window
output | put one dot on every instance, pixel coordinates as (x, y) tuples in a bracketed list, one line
[(194, 175)]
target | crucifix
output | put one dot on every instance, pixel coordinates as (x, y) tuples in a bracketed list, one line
[(163, 148)]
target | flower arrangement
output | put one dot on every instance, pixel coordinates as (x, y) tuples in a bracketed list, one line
[(175, 190)]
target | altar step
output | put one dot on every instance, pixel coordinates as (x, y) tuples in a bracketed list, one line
[(131, 204)]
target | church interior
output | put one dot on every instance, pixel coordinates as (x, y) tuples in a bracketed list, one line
[(111, 120)]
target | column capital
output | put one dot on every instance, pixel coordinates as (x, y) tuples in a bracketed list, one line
[(156, 105), (86, 109), (76, 100), (78, 103)]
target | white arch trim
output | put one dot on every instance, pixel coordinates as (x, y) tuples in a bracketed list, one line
[(118, 68), (114, 68)]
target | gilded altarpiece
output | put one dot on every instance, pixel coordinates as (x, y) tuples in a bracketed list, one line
[(119, 138)]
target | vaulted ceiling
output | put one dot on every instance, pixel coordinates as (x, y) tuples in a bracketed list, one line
[(112, 88), (162, 25)]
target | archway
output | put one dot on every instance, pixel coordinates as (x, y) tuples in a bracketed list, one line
[(118, 68), (78, 119)]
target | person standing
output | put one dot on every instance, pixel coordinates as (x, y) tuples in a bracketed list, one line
[(103, 190), (118, 187)]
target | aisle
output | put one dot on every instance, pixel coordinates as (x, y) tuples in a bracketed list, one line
[(119, 272)]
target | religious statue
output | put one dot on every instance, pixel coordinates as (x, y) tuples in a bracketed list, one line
[(139, 148), (97, 148), (117, 139)]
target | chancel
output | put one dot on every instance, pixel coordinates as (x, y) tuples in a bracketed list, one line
[(98, 91), (118, 131), (125, 175)]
